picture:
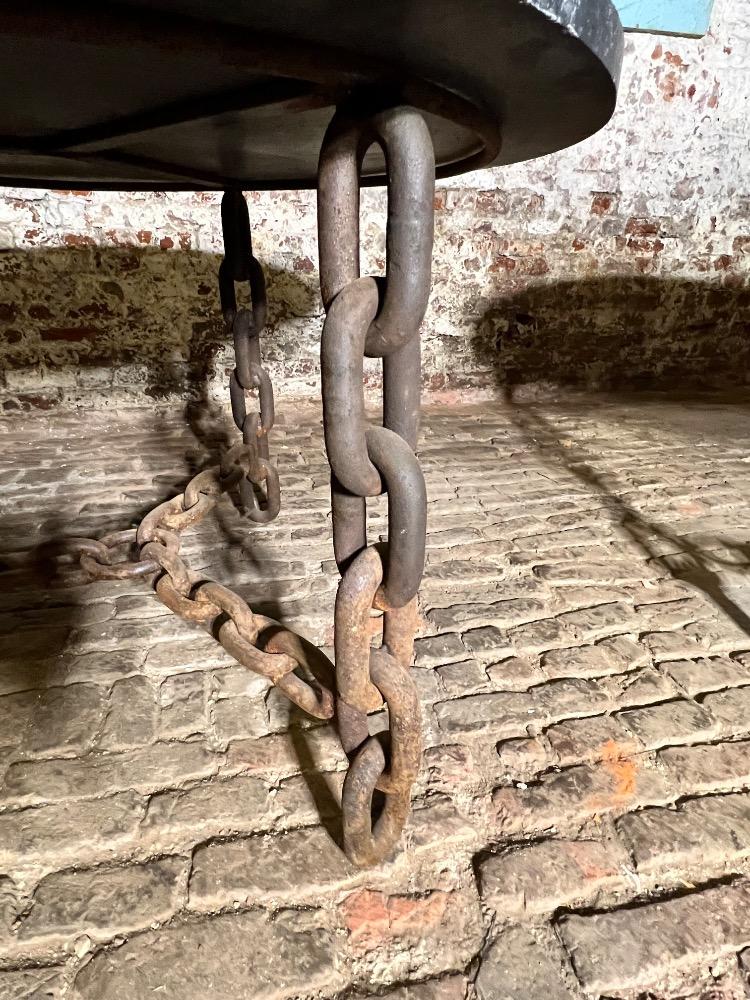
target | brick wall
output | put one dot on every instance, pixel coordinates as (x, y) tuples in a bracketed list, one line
[(621, 261)]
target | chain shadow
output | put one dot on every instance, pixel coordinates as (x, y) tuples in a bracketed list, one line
[(623, 333), (74, 315), (326, 799), (617, 332), (686, 561), (76, 343), (35, 620)]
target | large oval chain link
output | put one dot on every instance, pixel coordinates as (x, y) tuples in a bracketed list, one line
[(374, 317), (365, 317), (241, 266)]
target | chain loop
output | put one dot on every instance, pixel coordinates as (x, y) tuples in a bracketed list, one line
[(406, 143), (407, 515), (367, 843), (255, 641), (342, 350), (245, 325), (98, 557), (366, 317), (355, 598), (375, 317), (239, 264)]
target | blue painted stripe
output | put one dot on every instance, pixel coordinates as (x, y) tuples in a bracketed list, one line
[(678, 17)]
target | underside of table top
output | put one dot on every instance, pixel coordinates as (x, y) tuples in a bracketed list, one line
[(191, 94)]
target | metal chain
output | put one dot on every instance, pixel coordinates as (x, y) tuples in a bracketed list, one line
[(366, 317), (245, 325), (369, 317), (257, 642)]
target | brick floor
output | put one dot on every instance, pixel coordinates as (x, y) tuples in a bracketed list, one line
[(581, 823)]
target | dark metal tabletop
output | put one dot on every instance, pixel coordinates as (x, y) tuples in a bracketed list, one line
[(202, 94)]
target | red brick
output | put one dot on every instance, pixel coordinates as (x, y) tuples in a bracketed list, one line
[(447, 924)]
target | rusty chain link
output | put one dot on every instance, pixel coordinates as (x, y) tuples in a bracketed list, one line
[(245, 325), (365, 317), (369, 317), (255, 641)]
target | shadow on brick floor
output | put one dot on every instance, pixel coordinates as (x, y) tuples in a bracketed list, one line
[(624, 332), (73, 316), (45, 599), (681, 557), (29, 653)]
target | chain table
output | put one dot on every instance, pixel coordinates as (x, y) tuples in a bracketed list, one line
[(333, 94)]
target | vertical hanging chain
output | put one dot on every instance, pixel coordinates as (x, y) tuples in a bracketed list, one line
[(366, 317), (240, 266), (369, 317)]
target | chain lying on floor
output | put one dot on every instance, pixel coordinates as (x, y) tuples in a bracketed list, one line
[(365, 317), (255, 641)]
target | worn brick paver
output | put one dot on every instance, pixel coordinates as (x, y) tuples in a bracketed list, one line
[(581, 822), (633, 946)]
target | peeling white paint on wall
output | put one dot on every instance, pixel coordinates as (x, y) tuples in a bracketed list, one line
[(579, 266)]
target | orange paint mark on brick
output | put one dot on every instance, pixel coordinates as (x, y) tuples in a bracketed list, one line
[(617, 760), (365, 914), (657, 53), (693, 508), (373, 918), (449, 397), (408, 913), (622, 768)]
